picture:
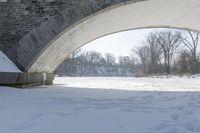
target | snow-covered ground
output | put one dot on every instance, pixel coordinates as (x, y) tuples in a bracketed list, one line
[(75, 105), (137, 84), (6, 65)]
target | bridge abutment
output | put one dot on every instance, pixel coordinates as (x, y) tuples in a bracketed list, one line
[(25, 80)]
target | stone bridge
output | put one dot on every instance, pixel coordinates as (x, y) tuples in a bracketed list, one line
[(38, 35)]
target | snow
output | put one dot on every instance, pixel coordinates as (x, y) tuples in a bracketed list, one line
[(103, 105), (6, 65), (164, 83), (196, 75)]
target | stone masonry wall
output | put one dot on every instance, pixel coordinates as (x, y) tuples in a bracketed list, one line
[(17, 18)]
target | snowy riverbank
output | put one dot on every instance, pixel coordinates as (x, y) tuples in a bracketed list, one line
[(172, 83), (69, 106)]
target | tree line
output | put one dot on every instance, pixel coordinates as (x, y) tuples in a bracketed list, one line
[(169, 52), (161, 52), (92, 63)]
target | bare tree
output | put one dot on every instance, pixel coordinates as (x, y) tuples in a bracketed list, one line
[(150, 53), (75, 53), (144, 54), (183, 61), (155, 51), (110, 59), (169, 40), (133, 59), (191, 41), (93, 57), (125, 61)]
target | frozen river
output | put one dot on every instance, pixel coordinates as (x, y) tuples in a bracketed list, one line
[(103, 105)]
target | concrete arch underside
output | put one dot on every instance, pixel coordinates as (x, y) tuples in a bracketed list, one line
[(48, 45)]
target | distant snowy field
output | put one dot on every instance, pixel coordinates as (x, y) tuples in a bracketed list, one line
[(135, 84), (103, 105)]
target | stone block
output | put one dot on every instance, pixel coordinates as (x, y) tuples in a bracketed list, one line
[(25, 80)]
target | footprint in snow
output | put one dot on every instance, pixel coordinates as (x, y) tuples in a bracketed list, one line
[(175, 117)]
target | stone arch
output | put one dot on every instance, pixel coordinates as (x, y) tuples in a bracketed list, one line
[(48, 45)]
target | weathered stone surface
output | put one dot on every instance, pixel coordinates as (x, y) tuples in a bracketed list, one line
[(19, 18), (25, 80)]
